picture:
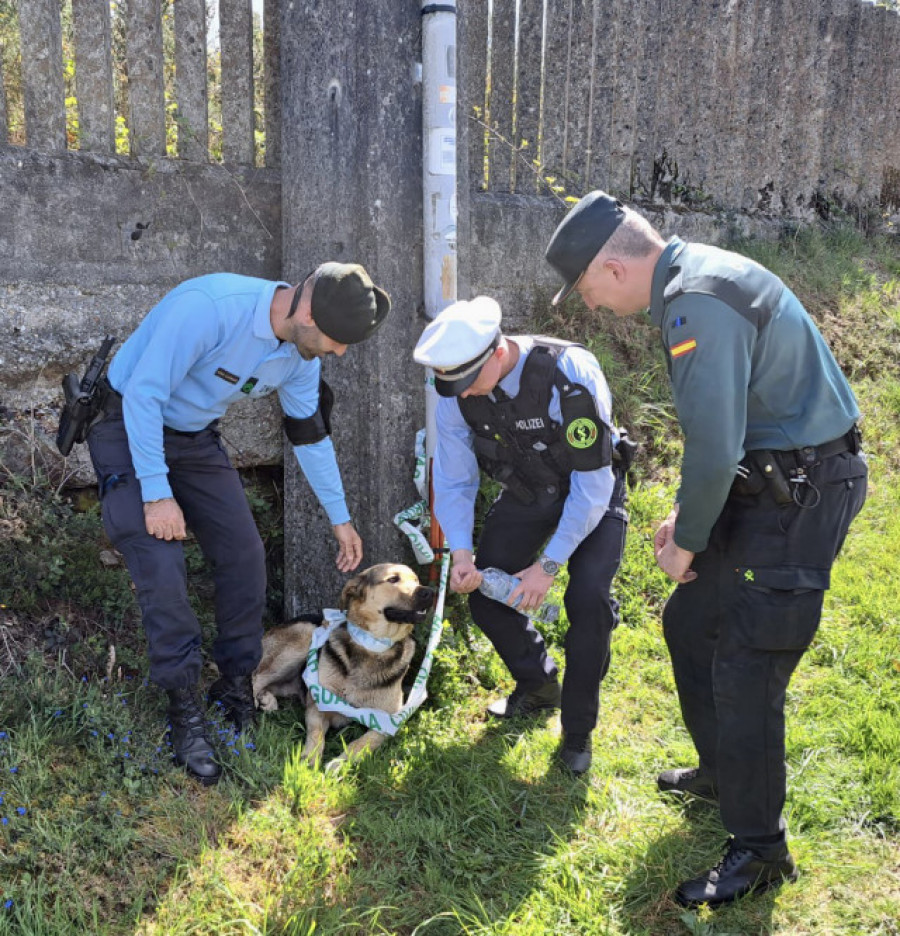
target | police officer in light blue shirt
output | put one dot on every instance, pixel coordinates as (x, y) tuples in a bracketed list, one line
[(534, 413), (161, 466)]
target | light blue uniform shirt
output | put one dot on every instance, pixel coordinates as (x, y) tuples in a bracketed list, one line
[(203, 346), (456, 473)]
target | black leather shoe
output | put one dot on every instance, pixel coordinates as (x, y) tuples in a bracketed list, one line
[(192, 747), (689, 780), (739, 873), (575, 752), (235, 695), (523, 703)]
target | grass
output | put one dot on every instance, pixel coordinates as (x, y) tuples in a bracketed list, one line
[(457, 825)]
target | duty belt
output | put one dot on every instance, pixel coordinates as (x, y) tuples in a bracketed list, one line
[(812, 455)]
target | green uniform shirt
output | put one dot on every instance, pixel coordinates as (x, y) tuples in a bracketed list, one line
[(749, 370)]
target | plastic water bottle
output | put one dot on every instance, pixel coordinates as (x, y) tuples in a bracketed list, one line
[(497, 584)]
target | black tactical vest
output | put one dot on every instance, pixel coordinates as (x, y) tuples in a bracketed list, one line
[(519, 445)]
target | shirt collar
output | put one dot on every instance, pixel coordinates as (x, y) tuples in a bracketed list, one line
[(262, 314), (510, 383), (661, 278)]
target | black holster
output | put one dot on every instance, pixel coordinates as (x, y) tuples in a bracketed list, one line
[(762, 469)]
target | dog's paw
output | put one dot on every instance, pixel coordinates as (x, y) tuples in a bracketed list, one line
[(267, 702), (336, 766)]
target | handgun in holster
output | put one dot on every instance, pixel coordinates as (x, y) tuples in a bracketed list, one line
[(82, 408)]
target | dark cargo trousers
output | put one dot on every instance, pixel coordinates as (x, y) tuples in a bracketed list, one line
[(512, 538), (210, 494), (737, 633)]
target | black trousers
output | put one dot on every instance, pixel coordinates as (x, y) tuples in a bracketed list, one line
[(210, 494), (737, 633), (512, 538)]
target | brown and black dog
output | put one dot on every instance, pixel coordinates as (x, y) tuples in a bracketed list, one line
[(385, 602)]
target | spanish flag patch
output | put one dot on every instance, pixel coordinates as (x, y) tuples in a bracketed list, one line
[(683, 347)]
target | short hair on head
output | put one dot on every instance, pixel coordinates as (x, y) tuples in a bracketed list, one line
[(634, 237)]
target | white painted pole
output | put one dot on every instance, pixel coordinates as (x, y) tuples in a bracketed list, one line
[(439, 187)]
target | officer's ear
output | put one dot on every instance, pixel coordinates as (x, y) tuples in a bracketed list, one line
[(616, 268)]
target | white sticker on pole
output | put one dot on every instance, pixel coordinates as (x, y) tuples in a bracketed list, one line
[(442, 151)]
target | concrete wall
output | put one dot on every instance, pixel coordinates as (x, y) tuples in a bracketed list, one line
[(771, 107), (88, 244)]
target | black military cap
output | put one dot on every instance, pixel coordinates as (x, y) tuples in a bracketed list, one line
[(579, 237), (346, 305)]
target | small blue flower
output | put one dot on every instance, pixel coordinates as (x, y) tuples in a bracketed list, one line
[(57, 713), (2, 735), (21, 810), (4, 821), (13, 769), (250, 746), (8, 904)]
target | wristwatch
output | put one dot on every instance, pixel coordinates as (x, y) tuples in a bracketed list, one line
[(548, 566)]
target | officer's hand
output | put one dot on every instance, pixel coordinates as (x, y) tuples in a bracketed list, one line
[(671, 558), (164, 519), (533, 588), (666, 531), (464, 577), (350, 552), (676, 563)]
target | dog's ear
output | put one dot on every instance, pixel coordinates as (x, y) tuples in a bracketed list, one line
[(353, 590)]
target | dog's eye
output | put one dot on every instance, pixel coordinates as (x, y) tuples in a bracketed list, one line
[(394, 579)]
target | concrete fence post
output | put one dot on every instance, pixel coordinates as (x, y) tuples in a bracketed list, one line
[(352, 192)]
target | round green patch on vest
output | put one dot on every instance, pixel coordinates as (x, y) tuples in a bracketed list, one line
[(582, 433)]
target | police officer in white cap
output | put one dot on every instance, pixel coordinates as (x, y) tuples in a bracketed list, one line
[(533, 413)]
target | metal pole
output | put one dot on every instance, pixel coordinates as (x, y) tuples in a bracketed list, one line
[(439, 194)]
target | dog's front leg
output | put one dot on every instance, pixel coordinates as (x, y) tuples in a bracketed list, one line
[(316, 727)]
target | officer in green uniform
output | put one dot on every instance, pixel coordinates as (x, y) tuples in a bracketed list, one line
[(771, 477)]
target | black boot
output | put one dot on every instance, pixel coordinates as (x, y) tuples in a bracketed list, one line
[(740, 872), (235, 695), (193, 750), (688, 780), (522, 703), (575, 752)]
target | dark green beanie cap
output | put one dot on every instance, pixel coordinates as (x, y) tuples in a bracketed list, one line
[(347, 306)]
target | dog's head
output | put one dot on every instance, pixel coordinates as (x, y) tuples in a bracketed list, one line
[(386, 600)]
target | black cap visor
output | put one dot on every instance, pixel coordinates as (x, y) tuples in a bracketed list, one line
[(568, 289), (452, 381)]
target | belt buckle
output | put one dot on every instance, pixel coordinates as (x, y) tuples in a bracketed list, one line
[(808, 456)]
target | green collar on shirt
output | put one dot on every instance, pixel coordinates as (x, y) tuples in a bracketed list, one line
[(661, 278)]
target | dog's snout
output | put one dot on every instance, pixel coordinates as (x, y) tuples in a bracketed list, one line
[(424, 596)]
